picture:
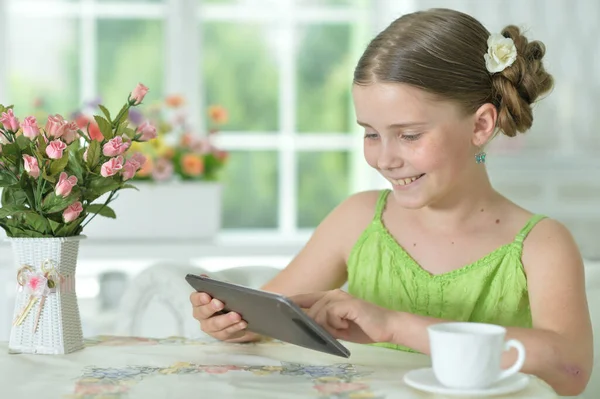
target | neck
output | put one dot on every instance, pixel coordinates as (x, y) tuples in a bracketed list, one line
[(471, 198)]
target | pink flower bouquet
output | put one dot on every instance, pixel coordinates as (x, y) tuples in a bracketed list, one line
[(52, 177)]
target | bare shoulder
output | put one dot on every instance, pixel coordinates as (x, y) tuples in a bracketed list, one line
[(551, 245), (360, 206), (357, 211)]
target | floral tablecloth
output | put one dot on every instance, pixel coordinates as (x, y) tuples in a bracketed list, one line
[(130, 367)]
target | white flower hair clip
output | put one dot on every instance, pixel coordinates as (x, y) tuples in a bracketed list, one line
[(501, 53)]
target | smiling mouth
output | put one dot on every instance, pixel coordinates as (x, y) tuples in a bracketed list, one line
[(406, 181)]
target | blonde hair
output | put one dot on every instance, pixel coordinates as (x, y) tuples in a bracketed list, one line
[(442, 52)]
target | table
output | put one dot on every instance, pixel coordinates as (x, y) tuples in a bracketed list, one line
[(131, 367)]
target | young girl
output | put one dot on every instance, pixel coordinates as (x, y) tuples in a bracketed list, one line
[(431, 91)]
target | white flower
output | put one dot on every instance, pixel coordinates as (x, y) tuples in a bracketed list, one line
[(501, 53)]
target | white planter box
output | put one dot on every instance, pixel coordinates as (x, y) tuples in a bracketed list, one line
[(178, 210)]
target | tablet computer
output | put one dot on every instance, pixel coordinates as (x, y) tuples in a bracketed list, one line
[(270, 314)]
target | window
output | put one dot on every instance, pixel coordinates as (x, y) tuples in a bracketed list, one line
[(282, 69)]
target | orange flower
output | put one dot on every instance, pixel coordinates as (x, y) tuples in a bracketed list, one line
[(217, 113), (146, 169), (174, 101), (192, 165)]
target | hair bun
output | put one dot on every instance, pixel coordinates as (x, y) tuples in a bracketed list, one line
[(517, 87)]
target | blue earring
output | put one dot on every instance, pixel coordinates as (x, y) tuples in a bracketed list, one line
[(480, 157)]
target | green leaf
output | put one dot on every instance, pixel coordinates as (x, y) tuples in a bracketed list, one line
[(105, 112), (23, 142), (103, 185), (121, 128), (59, 165), (10, 211), (54, 226), (55, 203), (129, 132), (102, 210), (75, 164), (37, 223), (11, 150), (13, 196), (69, 229), (13, 231), (26, 186), (105, 127), (93, 155), (41, 144), (51, 179), (125, 186), (124, 114), (7, 179)]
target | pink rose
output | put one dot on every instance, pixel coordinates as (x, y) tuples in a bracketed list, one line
[(55, 126), (9, 120), (147, 131), (31, 166), (72, 212), (115, 147), (70, 132), (112, 166), (138, 94), (129, 169), (65, 184), (55, 149), (139, 159), (30, 127)]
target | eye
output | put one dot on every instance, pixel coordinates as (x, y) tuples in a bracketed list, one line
[(371, 136), (411, 137)]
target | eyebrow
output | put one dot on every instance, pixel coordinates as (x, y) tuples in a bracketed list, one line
[(394, 125)]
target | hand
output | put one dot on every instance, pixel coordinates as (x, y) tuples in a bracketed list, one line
[(348, 318), (225, 327)]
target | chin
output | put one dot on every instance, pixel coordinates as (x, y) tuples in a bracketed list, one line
[(409, 202)]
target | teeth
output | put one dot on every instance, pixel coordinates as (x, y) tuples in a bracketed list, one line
[(404, 182)]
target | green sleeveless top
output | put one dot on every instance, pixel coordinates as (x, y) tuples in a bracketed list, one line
[(491, 290)]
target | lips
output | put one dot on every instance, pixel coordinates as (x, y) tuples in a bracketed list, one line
[(406, 180)]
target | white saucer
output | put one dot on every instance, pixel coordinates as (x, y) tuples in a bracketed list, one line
[(424, 380)]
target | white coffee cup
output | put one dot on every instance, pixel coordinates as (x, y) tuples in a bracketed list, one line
[(468, 355)]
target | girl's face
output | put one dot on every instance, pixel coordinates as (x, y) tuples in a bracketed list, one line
[(424, 148)]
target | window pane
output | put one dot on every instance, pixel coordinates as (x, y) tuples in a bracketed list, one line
[(43, 65), (323, 184), (324, 78), (240, 73), (250, 190), (129, 52)]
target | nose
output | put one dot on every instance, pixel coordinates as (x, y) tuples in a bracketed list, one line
[(390, 156)]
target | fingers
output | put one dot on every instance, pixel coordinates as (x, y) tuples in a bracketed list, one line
[(207, 309), (221, 326), (307, 300), (225, 329), (217, 324), (336, 321), (199, 298)]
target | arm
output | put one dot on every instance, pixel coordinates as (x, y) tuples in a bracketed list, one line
[(321, 264), (560, 345)]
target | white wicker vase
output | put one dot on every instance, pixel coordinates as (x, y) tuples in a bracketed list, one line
[(58, 329)]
